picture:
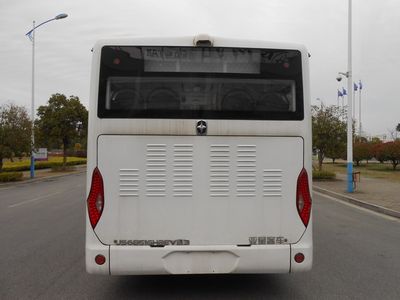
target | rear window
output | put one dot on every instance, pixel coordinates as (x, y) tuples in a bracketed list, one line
[(200, 83)]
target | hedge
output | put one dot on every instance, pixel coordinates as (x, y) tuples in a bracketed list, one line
[(323, 175), (10, 176), (43, 165)]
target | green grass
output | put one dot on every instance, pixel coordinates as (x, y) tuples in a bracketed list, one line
[(24, 164), (323, 175), (372, 169)]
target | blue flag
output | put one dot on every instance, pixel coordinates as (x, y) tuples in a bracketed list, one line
[(339, 93), (355, 87), (344, 92), (360, 85)]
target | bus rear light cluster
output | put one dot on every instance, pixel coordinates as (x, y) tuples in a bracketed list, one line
[(303, 197), (95, 201)]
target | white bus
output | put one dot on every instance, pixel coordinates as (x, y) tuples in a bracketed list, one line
[(199, 157)]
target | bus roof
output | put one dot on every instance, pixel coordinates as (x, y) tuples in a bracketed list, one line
[(189, 41)]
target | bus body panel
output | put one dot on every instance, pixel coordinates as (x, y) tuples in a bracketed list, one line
[(208, 190), (113, 146)]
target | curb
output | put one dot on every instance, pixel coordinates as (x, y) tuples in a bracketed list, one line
[(345, 198), (28, 181)]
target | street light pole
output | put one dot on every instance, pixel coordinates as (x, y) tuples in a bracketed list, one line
[(32, 168), (350, 106), (31, 35), (349, 76)]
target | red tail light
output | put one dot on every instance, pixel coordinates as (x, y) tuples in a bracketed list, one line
[(303, 197), (95, 200)]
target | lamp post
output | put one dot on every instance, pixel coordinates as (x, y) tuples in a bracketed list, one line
[(349, 77), (31, 35)]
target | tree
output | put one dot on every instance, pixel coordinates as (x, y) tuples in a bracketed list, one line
[(329, 132), (378, 151), (391, 151), (15, 132), (59, 122), (336, 150), (376, 140), (361, 151)]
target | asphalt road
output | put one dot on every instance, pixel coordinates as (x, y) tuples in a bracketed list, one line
[(357, 255)]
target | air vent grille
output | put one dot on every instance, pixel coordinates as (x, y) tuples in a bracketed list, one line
[(128, 182), (156, 170), (272, 182), (183, 170), (219, 170)]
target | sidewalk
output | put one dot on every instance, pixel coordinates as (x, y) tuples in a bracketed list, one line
[(43, 174), (49, 173), (372, 193)]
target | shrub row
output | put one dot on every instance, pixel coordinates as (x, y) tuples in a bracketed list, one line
[(323, 175), (43, 165), (77, 153), (10, 176)]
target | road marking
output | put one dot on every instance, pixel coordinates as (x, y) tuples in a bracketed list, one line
[(6, 188), (358, 207), (35, 199), (43, 197)]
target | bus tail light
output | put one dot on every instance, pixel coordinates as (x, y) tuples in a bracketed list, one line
[(95, 201), (303, 197)]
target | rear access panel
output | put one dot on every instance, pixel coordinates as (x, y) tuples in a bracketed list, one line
[(199, 190)]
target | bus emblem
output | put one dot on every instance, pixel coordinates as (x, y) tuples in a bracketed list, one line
[(201, 127)]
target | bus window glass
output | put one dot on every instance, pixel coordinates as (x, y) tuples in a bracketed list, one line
[(213, 83)]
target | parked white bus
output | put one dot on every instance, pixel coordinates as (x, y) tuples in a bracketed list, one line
[(199, 157)]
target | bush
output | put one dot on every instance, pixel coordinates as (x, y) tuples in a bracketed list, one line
[(44, 164), (59, 168), (323, 175), (10, 176), (77, 153)]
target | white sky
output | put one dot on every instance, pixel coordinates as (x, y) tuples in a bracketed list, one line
[(63, 54)]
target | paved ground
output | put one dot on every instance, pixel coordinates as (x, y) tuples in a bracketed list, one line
[(42, 255), (45, 173), (372, 190)]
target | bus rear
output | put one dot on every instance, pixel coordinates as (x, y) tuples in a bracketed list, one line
[(199, 157)]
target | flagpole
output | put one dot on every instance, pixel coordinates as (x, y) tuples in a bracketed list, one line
[(350, 104), (354, 104), (343, 105), (338, 100), (359, 112)]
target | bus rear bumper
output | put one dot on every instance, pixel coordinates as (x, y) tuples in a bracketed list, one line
[(138, 260), (130, 260), (223, 259)]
